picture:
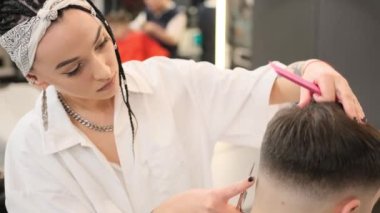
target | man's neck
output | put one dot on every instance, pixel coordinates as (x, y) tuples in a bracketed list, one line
[(284, 206), (271, 197)]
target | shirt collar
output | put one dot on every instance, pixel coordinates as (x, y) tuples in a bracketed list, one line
[(61, 133)]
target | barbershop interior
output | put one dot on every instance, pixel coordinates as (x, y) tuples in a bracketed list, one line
[(222, 35)]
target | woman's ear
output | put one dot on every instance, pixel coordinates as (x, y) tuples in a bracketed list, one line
[(351, 206), (35, 81)]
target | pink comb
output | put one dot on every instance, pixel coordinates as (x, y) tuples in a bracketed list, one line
[(296, 79)]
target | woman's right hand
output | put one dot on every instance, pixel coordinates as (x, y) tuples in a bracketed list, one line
[(205, 200)]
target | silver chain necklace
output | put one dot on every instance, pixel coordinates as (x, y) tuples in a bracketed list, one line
[(83, 121)]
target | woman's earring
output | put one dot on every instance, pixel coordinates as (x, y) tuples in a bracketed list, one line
[(31, 81), (44, 110), (115, 46)]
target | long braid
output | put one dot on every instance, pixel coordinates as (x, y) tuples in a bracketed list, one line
[(14, 12), (34, 4), (122, 78)]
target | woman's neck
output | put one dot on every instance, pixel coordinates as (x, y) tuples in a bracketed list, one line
[(83, 104)]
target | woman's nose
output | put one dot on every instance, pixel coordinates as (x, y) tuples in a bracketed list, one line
[(101, 70)]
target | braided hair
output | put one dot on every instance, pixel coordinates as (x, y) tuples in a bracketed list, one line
[(14, 12), (122, 78)]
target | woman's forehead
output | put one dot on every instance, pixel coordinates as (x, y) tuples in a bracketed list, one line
[(73, 30), (73, 23)]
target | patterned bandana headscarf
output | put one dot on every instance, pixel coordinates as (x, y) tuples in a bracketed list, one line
[(21, 41)]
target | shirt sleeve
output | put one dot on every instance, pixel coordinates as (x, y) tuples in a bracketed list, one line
[(233, 105), (138, 22), (177, 26)]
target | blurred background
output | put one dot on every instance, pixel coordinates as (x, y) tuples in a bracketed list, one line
[(231, 33)]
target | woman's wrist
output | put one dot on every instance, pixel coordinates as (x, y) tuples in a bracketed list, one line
[(309, 62), (300, 67), (297, 67)]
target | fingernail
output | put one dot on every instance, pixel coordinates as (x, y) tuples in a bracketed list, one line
[(251, 179), (364, 119)]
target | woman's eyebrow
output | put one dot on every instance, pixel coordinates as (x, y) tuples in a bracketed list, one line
[(66, 62), (69, 61)]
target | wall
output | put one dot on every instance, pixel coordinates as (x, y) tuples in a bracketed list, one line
[(345, 33)]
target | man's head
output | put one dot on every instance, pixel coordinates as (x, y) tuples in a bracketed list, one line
[(119, 20), (316, 159), (157, 6)]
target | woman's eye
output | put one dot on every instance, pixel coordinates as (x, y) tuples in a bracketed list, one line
[(75, 71), (102, 44)]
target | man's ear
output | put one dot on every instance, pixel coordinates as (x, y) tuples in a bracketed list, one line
[(351, 206), (35, 81)]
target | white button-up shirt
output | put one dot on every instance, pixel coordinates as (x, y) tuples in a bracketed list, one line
[(182, 108)]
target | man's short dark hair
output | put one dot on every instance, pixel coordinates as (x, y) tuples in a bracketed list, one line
[(319, 147)]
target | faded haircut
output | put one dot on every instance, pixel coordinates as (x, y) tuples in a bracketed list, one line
[(320, 149)]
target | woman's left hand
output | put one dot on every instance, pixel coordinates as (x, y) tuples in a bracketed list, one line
[(333, 86)]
